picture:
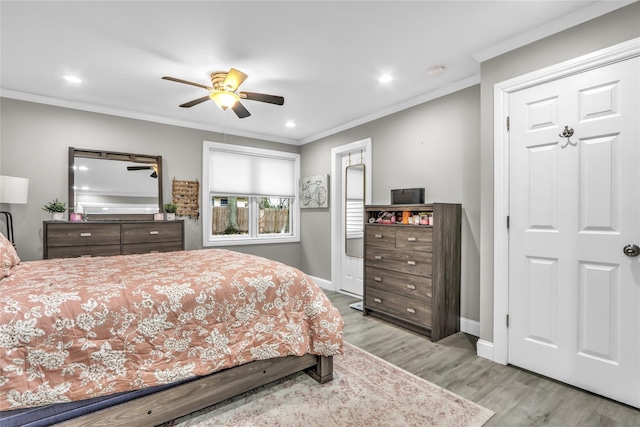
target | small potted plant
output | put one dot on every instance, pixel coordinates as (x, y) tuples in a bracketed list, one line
[(57, 209), (170, 210)]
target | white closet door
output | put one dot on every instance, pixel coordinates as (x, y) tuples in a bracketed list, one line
[(574, 296)]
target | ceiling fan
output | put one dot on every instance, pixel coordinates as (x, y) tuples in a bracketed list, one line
[(223, 91), (153, 167)]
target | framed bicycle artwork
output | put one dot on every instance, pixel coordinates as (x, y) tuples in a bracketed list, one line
[(314, 191)]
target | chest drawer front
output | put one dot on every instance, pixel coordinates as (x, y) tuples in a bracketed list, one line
[(415, 238), (151, 232), (82, 251), (399, 283), (145, 248), (413, 310), (411, 262), (381, 236), (74, 234)]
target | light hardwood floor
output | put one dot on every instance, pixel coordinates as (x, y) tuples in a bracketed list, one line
[(518, 397)]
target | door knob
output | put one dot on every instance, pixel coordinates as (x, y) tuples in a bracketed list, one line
[(631, 250)]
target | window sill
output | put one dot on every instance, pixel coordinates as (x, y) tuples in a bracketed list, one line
[(240, 241)]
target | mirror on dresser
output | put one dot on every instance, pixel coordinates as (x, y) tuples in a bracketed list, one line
[(106, 185)]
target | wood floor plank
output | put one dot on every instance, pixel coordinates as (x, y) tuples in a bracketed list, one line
[(518, 397)]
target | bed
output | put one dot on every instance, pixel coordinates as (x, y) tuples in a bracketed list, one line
[(155, 336)]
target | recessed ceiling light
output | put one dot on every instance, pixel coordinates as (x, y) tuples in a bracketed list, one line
[(385, 78), (290, 124), (436, 70), (72, 79)]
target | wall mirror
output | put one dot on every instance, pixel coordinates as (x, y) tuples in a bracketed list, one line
[(354, 210), (111, 185)]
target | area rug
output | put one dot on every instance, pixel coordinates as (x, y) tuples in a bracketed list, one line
[(365, 391)]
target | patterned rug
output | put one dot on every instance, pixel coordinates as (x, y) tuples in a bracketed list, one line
[(365, 391)]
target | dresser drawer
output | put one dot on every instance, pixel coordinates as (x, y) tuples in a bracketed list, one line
[(419, 238), (415, 311), (381, 236), (412, 262), (145, 248), (399, 283), (82, 251), (79, 234), (152, 232)]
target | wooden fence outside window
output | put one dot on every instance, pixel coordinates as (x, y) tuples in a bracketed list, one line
[(272, 221)]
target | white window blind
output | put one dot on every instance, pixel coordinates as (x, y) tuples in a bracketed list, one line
[(252, 173)]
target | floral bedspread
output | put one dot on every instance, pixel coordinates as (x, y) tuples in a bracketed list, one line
[(78, 328)]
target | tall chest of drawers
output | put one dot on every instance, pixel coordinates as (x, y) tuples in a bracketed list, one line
[(105, 238), (412, 271)]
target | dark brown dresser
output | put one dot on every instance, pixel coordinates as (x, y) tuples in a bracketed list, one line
[(412, 271), (105, 238)]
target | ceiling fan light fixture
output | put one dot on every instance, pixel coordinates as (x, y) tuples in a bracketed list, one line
[(224, 99)]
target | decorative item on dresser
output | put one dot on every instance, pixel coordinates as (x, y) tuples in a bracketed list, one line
[(105, 238), (412, 267)]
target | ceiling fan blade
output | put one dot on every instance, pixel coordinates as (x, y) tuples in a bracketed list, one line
[(173, 79), (240, 111), (195, 102), (138, 168), (234, 79), (253, 96)]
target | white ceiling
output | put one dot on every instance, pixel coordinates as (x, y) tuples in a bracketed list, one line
[(324, 57)]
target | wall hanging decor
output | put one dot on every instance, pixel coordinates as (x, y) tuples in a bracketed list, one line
[(186, 197), (314, 191)]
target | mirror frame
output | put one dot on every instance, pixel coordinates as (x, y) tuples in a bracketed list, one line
[(113, 155)]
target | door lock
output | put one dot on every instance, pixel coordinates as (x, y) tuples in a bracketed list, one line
[(631, 250)]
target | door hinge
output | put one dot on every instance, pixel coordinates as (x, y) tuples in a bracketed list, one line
[(508, 124), (507, 222), (507, 320)]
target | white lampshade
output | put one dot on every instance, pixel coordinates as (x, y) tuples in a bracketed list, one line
[(224, 99), (13, 190)]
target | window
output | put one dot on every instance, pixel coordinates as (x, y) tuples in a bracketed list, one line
[(250, 195)]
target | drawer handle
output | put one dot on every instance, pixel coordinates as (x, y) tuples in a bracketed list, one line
[(377, 257), (411, 262), (154, 252), (154, 232), (85, 256), (377, 300), (378, 236), (85, 234), (412, 287), (411, 310), (378, 279), (411, 239)]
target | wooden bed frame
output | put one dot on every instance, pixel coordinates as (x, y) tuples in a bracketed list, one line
[(184, 399)]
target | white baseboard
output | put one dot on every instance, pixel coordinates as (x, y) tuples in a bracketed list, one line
[(471, 327), (323, 283), (485, 349)]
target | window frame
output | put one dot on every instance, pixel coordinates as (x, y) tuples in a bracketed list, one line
[(253, 238)]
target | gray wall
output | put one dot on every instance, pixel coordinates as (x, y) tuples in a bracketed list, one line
[(445, 145), (435, 145), (607, 30), (34, 142)]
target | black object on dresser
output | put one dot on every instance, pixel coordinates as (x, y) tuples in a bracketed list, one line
[(412, 270), (105, 238)]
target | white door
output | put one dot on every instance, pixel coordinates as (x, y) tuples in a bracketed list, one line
[(574, 296), (353, 193)]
